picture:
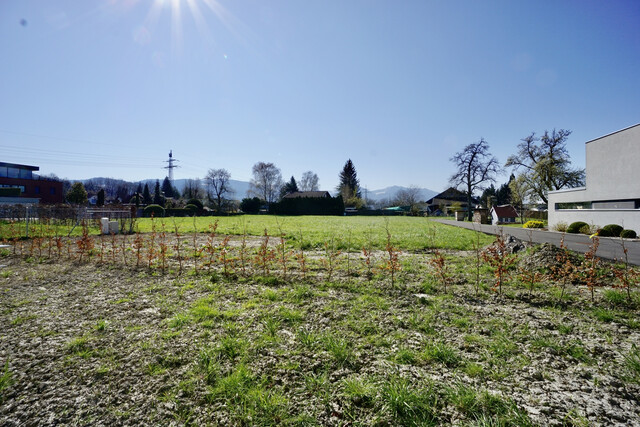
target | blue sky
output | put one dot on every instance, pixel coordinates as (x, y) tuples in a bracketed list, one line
[(107, 88)]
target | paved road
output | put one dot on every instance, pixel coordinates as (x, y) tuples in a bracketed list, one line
[(610, 247)]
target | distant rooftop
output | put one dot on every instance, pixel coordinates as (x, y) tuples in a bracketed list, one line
[(17, 166)]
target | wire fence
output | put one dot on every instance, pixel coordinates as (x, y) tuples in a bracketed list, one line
[(37, 216)]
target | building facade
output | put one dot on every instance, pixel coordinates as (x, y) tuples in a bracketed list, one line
[(611, 194), (31, 187)]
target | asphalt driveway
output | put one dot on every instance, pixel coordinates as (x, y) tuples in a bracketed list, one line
[(609, 248)]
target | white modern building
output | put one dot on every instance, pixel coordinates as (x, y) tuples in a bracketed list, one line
[(612, 191)]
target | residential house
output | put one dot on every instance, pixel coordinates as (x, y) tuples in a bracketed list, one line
[(612, 191), (448, 201), (309, 194), (503, 214), (31, 186)]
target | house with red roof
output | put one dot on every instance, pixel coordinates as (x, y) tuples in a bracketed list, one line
[(503, 214)]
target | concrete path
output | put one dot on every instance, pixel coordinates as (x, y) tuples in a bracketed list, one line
[(609, 248)]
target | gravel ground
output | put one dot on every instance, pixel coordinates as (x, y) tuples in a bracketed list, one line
[(88, 344)]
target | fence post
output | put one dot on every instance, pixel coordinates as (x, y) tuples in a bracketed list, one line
[(27, 215)]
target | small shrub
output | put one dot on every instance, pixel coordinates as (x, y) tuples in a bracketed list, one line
[(614, 229), (603, 232), (628, 234), (533, 224), (155, 210), (561, 227), (575, 227), (191, 208), (197, 203), (588, 229)]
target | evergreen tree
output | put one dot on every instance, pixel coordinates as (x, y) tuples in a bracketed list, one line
[(349, 186), (100, 201), (503, 195), (289, 187), (488, 197), (157, 195), (77, 194), (146, 195), (167, 188)]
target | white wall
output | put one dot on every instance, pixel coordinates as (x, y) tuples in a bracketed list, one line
[(613, 173), (613, 166)]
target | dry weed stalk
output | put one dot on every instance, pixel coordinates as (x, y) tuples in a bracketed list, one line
[(499, 258), (264, 255), (627, 276), (281, 248), (210, 247), (589, 267), (564, 271), (163, 246), (177, 245), (392, 264), (439, 262), (85, 243), (330, 256), (301, 258)]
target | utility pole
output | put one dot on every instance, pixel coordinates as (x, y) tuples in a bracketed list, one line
[(171, 165)]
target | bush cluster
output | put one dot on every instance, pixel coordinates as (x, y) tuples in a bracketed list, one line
[(614, 230), (533, 224), (156, 210), (577, 227), (628, 234)]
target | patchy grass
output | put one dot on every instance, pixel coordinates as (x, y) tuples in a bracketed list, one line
[(129, 345)]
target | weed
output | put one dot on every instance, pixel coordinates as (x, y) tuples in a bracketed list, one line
[(80, 347), (410, 405), (486, 408), (308, 338), (6, 380), (440, 352), (340, 349), (360, 391), (632, 363), (209, 365), (232, 347), (271, 325), (101, 325)]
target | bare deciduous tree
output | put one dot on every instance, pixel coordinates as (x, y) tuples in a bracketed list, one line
[(546, 163), (409, 197), (218, 186), (266, 181), (309, 182), (192, 189), (474, 166), (520, 192)]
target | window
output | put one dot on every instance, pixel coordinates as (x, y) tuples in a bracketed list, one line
[(52, 190), (573, 205), (616, 204), (36, 189)]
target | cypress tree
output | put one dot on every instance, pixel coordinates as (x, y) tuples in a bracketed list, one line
[(146, 195)]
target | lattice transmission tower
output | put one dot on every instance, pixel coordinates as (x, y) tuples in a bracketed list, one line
[(171, 166)]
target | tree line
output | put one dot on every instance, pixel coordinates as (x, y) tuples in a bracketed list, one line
[(540, 164), (215, 190)]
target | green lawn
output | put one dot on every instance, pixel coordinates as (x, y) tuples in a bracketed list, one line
[(407, 233)]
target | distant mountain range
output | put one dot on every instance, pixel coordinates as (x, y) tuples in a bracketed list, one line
[(389, 193), (241, 188)]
